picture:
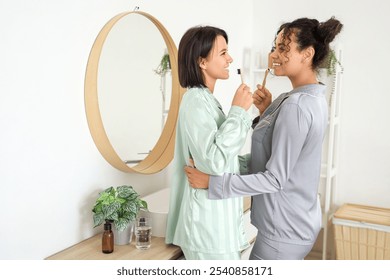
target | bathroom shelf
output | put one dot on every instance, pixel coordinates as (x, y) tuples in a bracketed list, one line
[(329, 166)]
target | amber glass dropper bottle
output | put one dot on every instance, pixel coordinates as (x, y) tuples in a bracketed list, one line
[(108, 239)]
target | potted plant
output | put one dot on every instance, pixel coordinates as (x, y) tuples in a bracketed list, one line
[(119, 206), (164, 66), (330, 63)]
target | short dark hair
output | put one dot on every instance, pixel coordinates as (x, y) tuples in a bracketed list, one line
[(196, 43)]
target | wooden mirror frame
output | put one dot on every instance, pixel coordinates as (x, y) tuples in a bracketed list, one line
[(162, 153)]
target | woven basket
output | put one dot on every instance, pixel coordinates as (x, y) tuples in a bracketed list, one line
[(362, 232)]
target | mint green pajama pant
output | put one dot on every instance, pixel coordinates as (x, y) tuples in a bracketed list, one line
[(194, 255)]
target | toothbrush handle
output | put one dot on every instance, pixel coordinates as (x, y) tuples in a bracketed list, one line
[(265, 78)]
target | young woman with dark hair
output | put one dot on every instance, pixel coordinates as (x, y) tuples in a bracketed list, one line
[(204, 228), (285, 163)]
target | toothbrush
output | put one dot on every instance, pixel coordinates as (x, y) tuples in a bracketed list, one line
[(239, 73), (265, 77)]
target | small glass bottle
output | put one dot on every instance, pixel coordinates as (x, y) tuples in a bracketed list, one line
[(108, 239), (143, 233)]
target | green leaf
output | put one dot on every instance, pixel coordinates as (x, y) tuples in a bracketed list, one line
[(106, 197), (143, 204), (97, 208), (120, 200), (114, 217), (130, 216), (130, 206), (124, 191), (121, 224), (98, 220), (133, 196), (109, 209), (110, 190), (103, 197)]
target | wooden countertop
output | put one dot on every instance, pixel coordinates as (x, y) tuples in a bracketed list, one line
[(91, 249)]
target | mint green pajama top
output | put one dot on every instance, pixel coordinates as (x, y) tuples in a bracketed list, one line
[(214, 141)]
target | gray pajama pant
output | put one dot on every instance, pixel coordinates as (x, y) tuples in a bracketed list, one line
[(267, 249)]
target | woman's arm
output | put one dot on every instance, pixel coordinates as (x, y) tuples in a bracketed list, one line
[(244, 163), (213, 149), (289, 136)]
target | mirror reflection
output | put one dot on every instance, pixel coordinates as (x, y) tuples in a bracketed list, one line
[(133, 92)]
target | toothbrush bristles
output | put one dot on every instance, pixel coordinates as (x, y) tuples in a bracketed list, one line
[(239, 73)]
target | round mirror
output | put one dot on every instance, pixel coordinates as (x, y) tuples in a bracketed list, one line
[(132, 93)]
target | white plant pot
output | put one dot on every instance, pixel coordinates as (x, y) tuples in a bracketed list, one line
[(125, 236)]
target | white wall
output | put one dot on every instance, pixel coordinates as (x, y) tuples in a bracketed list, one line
[(50, 169), (364, 155)]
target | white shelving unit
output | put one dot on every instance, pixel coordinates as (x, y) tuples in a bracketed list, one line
[(165, 88), (329, 166)]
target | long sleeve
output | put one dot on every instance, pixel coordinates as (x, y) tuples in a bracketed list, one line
[(213, 140), (285, 165), (244, 163), (290, 132), (214, 148)]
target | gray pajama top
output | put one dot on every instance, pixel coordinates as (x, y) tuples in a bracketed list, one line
[(284, 167)]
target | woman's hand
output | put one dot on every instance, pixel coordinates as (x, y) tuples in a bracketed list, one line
[(196, 178), (243, 97), (262, 98)]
